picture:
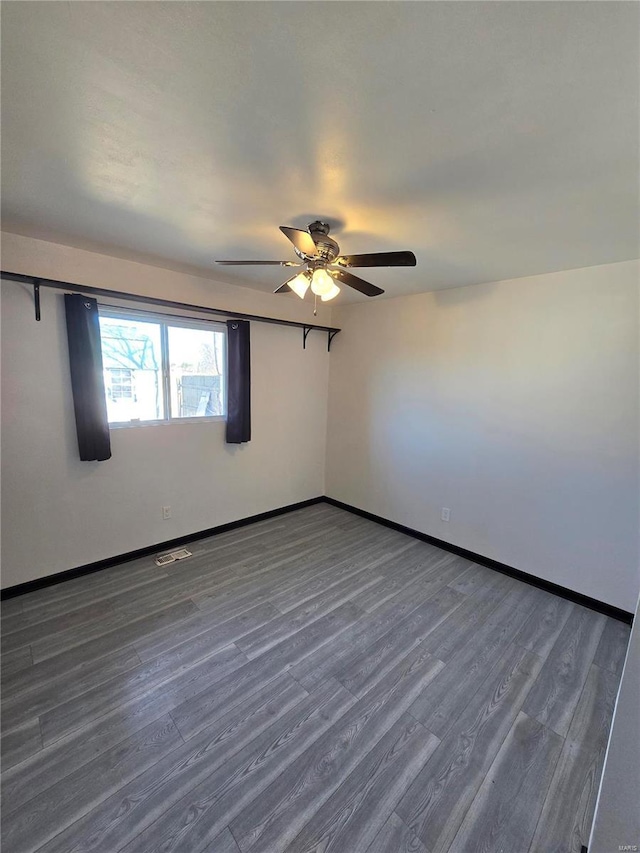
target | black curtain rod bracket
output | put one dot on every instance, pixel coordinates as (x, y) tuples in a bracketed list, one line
[(37, 283), (305, 332)]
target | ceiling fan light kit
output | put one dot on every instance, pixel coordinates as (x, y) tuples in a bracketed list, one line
[(325, 266)]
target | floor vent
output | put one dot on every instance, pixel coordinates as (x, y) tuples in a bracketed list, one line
[(165, 559), (181, 554)]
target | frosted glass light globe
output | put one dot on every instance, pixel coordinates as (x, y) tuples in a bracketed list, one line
[(321, 283), (335, 290), (300, 284)]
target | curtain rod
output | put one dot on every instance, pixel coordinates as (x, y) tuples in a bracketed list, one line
[(37, 283)]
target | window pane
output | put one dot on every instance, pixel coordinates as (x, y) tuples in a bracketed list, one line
[(132, 362), (196, 369)]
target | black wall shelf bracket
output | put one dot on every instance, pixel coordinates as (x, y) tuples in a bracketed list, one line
[(330, 336), (305, 332), (36, 299)]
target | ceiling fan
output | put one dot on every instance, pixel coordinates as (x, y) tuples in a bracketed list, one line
[(324, 265)]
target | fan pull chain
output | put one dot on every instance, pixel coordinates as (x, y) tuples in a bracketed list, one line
[(315, 304)]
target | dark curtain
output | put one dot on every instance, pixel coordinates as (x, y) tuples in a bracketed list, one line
[(239, 382), (87, 380)]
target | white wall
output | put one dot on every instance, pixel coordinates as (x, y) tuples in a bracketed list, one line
[(58, 512), (513, 403)]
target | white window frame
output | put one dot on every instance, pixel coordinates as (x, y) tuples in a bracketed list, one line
[(164, 321)]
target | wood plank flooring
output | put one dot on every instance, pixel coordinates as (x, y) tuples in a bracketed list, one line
[(313, 682)]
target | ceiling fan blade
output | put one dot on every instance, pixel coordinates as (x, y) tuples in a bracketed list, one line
[(357, 283), (259, 263), (302, 240), (378, 259)]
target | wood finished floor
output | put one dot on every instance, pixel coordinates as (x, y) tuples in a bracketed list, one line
[(314, 682)]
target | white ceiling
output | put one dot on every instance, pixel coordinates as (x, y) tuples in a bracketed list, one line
[(495, 140)]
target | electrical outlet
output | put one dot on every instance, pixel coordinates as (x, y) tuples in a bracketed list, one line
[(445, 515), (166, 512)]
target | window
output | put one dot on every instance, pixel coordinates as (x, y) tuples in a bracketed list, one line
[(159, 369)]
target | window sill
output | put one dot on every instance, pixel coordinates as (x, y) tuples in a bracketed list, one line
[(173, 422)]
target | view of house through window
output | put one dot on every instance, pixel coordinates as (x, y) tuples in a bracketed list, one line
[(158, 370)]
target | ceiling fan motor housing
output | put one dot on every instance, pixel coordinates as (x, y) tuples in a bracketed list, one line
[(328, 249)]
